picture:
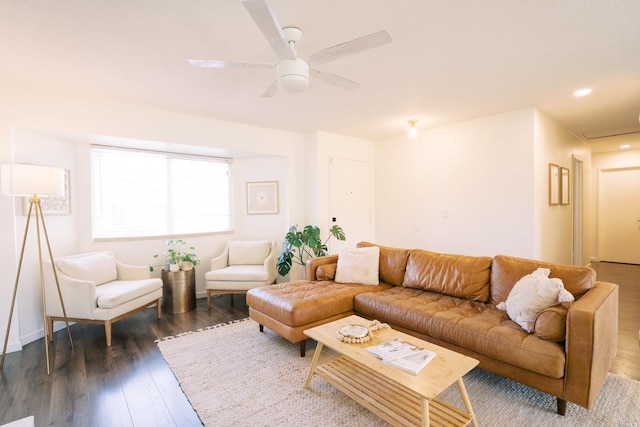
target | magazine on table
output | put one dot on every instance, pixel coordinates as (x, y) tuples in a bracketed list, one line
[(403, 355)]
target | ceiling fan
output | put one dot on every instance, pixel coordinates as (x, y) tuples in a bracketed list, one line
[(292, 72)]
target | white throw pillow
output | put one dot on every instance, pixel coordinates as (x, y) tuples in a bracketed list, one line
[(531, 295), (98, 268), (358, 265)]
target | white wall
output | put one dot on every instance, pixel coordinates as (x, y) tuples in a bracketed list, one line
[(46, 130), (269, 227), (465, 188), (554, 224), (478, 188)]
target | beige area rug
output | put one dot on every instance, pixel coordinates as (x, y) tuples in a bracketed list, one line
[(233, 375)]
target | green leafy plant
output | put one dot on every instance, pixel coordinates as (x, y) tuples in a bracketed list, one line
[(176, 252), (191, 257), (299, 246)]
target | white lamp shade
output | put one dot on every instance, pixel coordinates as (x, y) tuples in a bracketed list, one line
[(27, 180)]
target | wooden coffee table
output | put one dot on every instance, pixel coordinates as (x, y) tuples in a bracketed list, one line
[(400, 398)]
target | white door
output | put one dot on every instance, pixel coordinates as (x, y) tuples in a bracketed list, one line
[(619, 215), (350, 201)]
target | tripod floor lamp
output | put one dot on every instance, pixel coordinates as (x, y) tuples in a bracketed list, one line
[(33, 181)]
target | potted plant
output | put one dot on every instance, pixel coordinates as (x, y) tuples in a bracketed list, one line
[(176, 256), (298, 246), (189, 260)]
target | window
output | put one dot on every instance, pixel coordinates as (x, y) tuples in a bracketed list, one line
[(138, 193)]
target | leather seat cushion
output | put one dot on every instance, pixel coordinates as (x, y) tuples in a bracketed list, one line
[(118, 292), (240, 273), (303, 302), (469, 324)]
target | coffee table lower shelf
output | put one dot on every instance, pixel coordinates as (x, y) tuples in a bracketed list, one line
[(391, 402)]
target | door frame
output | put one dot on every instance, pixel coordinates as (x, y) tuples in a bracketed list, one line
[(577, 253)]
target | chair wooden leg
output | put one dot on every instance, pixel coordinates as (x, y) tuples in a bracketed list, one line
[(107, 332), (209, 298), (159, 308), (562, 406), (50, 327)]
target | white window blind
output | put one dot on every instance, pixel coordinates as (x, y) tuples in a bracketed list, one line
[(138, 193)]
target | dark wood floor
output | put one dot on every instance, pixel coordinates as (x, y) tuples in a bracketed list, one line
[(130, 384)]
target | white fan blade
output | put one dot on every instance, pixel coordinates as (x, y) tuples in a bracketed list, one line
[(271, 90), (350, 47), (334, 79), (226, 64), (262, 14)]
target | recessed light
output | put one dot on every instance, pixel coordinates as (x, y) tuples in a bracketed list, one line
[(623, 146), (582, 92)]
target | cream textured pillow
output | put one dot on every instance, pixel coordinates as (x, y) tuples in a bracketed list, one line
[(248, 252), (97, 267), (358, 265), (531, 295)]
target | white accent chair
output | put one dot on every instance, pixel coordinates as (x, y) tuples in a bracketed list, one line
[(96, 288), (243, 265)]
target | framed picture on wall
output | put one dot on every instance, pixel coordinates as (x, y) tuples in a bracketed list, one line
[(564, 186), (262, 197), (554, 184), (52, 205)]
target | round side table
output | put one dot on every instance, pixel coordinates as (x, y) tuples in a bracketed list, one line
[(178, 291)]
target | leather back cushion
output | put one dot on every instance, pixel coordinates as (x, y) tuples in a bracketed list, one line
[(392, 265), (248, 252), (507, 270), (99, 267), (454, 275), (327, 271)]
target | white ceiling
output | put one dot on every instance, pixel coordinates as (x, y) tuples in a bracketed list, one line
[(449, 60)]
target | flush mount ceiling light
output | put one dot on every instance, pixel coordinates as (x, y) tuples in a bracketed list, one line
[(413, 130), (582, 92)]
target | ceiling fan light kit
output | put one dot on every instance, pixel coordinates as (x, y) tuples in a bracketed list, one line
[(292, 75)]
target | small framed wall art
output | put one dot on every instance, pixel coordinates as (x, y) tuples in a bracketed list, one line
[(564, 186), (262, 197), (554, 184)]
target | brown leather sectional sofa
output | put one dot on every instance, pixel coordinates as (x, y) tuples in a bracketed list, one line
[(451, 300)]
